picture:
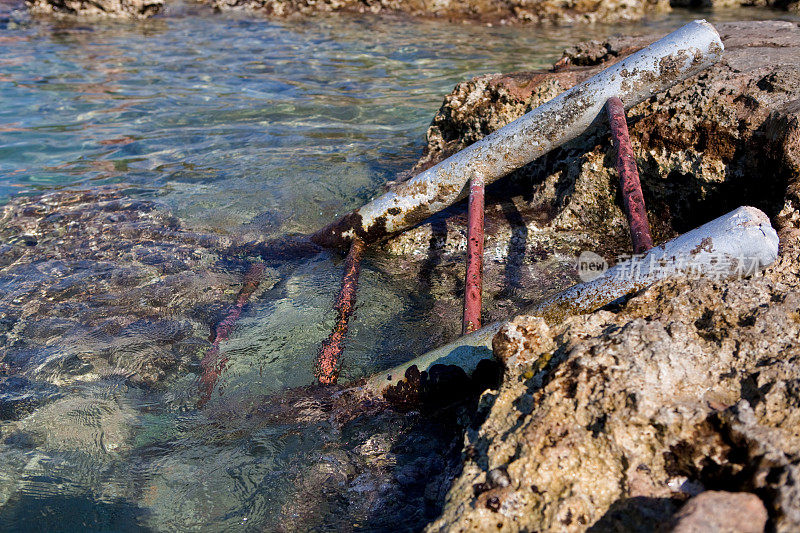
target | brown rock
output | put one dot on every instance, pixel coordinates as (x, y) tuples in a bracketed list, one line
[(524, 341), (722, 512), (504, 11), (689, 385), (124, 9), (787, 5)]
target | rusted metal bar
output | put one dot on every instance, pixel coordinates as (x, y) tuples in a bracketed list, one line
[(212, 364), (740, 243), (629, 178), (473, 280), (655, 68), (327, 365)]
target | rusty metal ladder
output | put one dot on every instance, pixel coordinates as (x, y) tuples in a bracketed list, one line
[(690, 49), (327, 364), (633, 204)]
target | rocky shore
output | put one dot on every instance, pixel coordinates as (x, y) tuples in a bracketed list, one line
[(621, 416), (676, 409), (121, 9), (557, 12), (503, 12)]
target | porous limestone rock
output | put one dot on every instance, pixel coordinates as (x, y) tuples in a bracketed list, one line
[(504, 11), (691, 385), (124, 9)]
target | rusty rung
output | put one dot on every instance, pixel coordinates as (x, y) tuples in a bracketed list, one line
[(212, 364), (473, 281), (330, 352), (629, 178)]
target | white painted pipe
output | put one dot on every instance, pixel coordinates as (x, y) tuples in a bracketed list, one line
[(740, 243), (655, 68)]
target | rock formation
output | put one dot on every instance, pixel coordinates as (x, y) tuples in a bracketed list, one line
[(610, 421), (124, 9), (505, 11)]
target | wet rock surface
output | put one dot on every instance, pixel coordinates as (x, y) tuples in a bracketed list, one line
[(122, 9), (613, 420), (94, 284), (504, 11)]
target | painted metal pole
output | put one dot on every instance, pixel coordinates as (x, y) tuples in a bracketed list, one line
[(629, 178), (740, 243), (330, 353), (212, 364), (473, 280), (655, 68)]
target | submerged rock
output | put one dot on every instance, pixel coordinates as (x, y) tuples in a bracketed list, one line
[(123, 9), (96, 285), (107, 304), (612, 420)]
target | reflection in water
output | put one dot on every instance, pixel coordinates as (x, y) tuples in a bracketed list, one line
[(241, 127)]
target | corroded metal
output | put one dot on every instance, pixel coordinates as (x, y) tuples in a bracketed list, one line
[(740, 243), (212, 364), (655, 68), (330, 353), (629, 178), (473, 280)]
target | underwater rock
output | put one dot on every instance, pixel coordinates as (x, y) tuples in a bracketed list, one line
[(123, 9), (96, 285), (504, 12), (19, 397)]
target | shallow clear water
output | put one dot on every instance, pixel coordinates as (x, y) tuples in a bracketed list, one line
[(279, 126)]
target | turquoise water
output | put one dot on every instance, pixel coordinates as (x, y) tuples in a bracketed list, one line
[(230, 120)]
